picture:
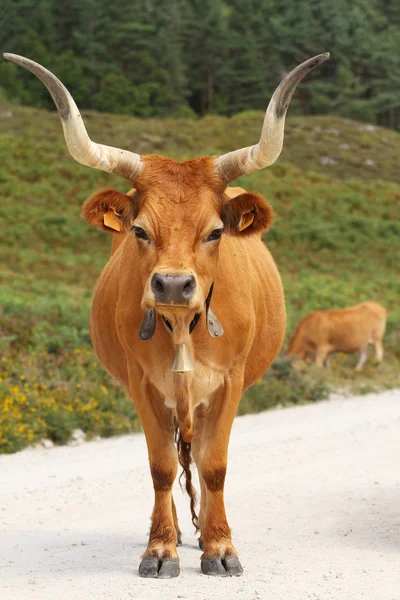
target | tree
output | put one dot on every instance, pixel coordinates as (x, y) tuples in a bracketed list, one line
[(168, 47), (248, 87), (205, 48)]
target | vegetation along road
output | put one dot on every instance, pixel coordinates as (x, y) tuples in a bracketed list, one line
[(312, 497)]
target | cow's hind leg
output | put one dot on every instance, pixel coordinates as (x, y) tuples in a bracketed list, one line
[(379, 350), (210, 449), (203, 509), (363, 357), (161, 558), (176, 523)]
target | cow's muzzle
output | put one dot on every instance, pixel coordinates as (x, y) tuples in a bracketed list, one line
[(173, 289)]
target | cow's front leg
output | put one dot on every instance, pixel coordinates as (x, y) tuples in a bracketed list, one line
[(210, 453), (160, 559)]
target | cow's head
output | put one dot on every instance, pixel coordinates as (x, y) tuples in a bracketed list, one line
[(177, 212)]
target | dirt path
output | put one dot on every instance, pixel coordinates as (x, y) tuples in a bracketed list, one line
[(313, 498)]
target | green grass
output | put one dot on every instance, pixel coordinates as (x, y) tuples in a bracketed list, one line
[(335, 242)]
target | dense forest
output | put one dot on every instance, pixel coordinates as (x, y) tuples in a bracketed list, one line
[(191, 57)]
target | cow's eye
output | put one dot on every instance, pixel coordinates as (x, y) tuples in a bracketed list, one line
[(215, 235), (140, 233)]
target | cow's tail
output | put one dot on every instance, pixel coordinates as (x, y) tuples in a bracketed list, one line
[(185, 460), (297, 342)]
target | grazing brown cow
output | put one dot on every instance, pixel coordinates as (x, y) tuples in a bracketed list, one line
[(187, 252), (346, 330)]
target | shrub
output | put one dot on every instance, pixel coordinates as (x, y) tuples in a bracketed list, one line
[(56, 394), (282, 385)]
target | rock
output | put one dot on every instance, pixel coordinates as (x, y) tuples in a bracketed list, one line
[(333, 131), (78, 438), (155, 140), (326, 160), (47, 443), (367, 128)]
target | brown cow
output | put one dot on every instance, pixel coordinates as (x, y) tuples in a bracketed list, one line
[(346, 330), (189, 250)]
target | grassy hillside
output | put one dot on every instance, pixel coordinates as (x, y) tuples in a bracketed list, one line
[(336, 147), (336, 193)]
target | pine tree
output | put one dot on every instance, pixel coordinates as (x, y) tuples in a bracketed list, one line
[(248, 69), (205, 47), (168, 47)]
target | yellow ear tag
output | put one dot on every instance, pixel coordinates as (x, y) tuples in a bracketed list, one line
[(111, 221), (247, 220)]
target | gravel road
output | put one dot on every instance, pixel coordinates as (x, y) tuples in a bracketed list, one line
[(312, 495)]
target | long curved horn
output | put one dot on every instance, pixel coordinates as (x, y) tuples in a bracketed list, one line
[(265, 153), (106, 158)]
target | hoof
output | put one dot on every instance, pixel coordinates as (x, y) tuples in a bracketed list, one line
[(201, 544), (229, 566), (169, 569), (149, 567), (232, 565), (161, 569), (213, 566), (179, 539)]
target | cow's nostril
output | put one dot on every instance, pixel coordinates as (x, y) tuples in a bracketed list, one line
[(158, 286), (188, 287)]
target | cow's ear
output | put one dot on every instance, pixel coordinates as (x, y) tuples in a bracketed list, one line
[(111, 210), (247, 213)]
